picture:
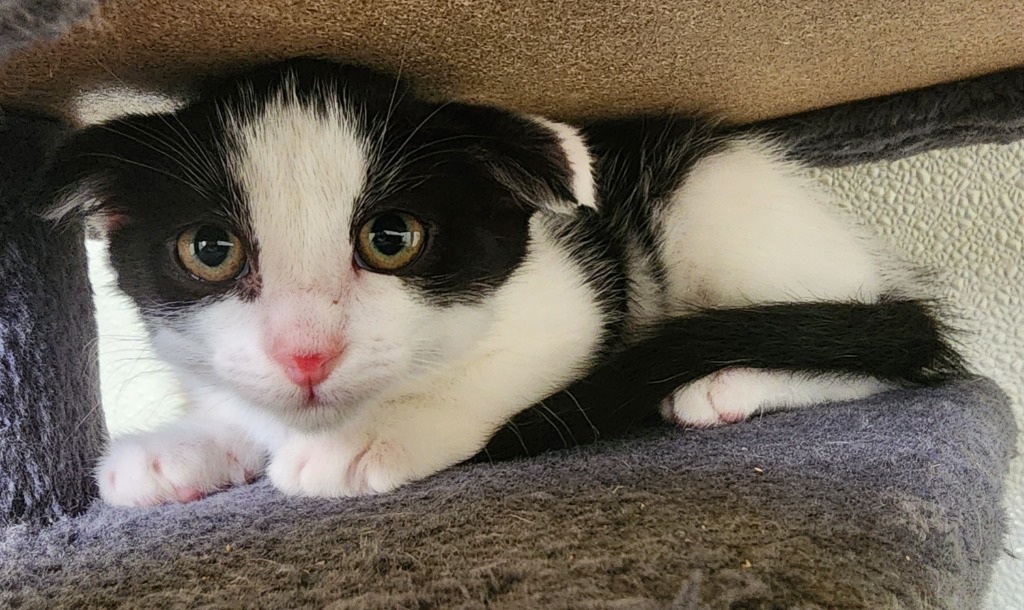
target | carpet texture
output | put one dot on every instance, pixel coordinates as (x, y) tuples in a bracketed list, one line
[(51, 425), (890, 502), (745, 60)]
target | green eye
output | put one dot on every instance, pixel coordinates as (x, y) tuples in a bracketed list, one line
[(211, 254), (389, 242)]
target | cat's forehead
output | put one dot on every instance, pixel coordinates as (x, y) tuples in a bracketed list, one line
[(301, 170)]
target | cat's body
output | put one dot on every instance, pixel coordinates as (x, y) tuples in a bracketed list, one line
[(359, 288)]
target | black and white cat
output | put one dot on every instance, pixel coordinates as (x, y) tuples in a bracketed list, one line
[(358, 287)]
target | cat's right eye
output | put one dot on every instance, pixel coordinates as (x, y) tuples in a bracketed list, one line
[(211, 254)]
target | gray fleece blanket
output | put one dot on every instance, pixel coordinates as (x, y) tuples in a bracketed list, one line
[(889, 502)]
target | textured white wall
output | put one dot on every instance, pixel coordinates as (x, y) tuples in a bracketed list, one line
[(959, 212)]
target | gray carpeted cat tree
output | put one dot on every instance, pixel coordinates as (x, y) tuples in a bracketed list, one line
[(889, 502)]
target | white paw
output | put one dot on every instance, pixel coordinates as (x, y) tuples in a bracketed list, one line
[(723, 397), (176, 464), (338, 465), (732, 395)]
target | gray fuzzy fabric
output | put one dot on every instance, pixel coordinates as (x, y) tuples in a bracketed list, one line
[(51, 426), (984, 110), (23, 22), (891, 502)]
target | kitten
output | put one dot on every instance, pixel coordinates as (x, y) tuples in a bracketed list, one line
[(358, 287)]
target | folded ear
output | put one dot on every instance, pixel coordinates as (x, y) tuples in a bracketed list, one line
[(86, 174), (578, 157), (544, 164), (80, 175)]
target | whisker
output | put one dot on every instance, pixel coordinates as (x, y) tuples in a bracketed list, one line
[(168, 151), (415, 131), (157, 170), (568, 429)]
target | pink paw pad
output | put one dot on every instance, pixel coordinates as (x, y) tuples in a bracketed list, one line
[(188, 494)]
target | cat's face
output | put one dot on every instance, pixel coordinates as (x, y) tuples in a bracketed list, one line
[(312, 237)]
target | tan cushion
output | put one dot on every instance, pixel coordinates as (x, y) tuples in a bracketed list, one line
[(743, 59)]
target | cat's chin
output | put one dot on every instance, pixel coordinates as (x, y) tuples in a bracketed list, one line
[(308, 413), (313, 416)]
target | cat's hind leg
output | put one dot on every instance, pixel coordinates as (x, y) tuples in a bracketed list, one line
[(734, 394), (180, 462), (746, 228)]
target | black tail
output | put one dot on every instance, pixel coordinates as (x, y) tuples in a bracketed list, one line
[(901, 341)]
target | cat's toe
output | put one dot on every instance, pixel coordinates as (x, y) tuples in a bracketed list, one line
[(330, 467), (725, 397), (311, 468), (154, 468), (690, 406)]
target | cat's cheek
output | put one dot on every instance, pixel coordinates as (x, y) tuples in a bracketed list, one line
[(339, 466)]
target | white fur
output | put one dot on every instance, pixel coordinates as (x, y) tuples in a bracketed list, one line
[(106, 103), (746, 228), (301, 173), (580, 161), (182, 461), (527, 355), (82, 200)]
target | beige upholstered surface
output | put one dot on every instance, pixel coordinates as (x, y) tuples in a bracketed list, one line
[(744, 59)]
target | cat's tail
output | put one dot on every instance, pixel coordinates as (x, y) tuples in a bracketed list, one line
[(900, 341)]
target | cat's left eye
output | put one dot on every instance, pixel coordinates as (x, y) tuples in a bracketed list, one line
[(389, 242), (211, 254)]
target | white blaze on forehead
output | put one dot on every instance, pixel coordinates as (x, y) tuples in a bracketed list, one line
[(301, 170)]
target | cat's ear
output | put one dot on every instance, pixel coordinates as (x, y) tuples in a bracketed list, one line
[(544, 164), (573, 148), (80, 176), (87, 170)]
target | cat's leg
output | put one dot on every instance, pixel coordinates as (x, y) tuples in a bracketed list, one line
[(386, 449), (746, 228), (734, 394), (180, 462)]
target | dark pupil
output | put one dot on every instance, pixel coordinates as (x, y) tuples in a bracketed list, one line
[(212, 246), (390, 235)]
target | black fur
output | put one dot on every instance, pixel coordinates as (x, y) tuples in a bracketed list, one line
[(638, 163), (900, 341)]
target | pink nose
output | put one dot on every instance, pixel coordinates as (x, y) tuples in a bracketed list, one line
[(308, 369)]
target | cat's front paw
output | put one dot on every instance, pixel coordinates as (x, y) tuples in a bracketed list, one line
[(723, 397), (335, 466), (177, 464)]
